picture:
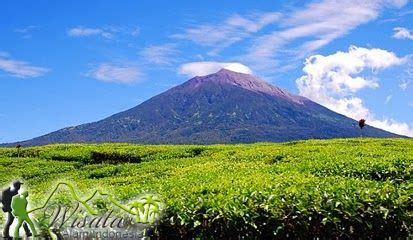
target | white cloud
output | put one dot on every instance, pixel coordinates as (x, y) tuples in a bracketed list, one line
[(334, 73), (204, 68), (26, 31), (388, 99), (291, 36), (20, 69), (135, 31), (392, 125), (334, 80), (126, 74), (87, 32), (255, 23), (319, 23), (402, 33), (404, 84), (232, 30), (407, 76), (159, 54)]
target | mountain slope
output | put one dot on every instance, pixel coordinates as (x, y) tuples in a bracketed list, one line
[(225, 107)]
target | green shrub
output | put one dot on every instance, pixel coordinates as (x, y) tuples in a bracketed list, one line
[(275, 159), (113, 157)]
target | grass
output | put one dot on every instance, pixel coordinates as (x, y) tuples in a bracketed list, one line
[(335, 188)]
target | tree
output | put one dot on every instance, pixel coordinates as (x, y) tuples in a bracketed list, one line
[(18, 147), (362, 124)]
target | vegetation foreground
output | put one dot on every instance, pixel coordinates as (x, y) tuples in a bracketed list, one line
[(344, 188)]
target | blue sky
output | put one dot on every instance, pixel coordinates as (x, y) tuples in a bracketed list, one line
[(68, 63)]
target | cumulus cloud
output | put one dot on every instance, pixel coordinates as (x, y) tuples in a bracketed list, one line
[(20, 69), (87, 32), (402, 33), (392, 125), (233, 29), (334, 80), (159, 54), (125, 74), (204, 68)]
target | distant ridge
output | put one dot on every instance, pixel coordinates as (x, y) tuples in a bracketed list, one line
[(224, 107)]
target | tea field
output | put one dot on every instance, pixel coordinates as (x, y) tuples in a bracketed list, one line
[(342, 188)]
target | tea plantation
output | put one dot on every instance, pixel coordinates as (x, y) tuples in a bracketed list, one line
[(343, 188)]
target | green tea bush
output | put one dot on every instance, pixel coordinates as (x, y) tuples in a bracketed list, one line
[(103, 172), (325, 189)]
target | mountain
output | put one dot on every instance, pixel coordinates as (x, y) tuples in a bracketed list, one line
[(224, 107)]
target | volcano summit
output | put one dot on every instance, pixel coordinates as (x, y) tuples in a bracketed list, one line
[(224, 107)]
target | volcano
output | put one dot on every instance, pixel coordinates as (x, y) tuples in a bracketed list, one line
[(224, 107)]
